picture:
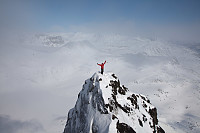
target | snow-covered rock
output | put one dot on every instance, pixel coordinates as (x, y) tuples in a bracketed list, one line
[(105, 106), (50, 40)]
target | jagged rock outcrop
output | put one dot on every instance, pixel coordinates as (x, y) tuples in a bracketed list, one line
[(106, 106)]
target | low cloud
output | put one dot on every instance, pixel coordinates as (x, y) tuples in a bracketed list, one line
[(60, 118), (8, 125), (184, 32)]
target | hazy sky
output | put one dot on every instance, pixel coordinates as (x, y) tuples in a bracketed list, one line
[(47, 15)]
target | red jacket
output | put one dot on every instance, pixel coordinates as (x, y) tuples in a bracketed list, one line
[(102, 65)]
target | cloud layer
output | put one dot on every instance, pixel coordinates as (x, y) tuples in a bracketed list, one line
[(8, 125)]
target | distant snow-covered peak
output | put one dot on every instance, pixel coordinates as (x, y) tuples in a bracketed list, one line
[(106, 106), (51, 40)]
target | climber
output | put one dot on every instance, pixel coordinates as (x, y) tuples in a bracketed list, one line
[(102, 66)]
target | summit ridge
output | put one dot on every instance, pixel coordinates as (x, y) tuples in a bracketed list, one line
[(106, 106)]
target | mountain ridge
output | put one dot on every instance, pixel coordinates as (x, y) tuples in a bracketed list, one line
[(104, 105)]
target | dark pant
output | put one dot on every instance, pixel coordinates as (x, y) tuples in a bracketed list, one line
[(101, 71)]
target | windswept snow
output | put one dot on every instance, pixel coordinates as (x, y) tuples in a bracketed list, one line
[(105, 106), (41, 75)]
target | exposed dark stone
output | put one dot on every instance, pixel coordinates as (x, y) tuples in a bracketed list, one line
[(101, 106), (94, 128), (115, 85), (121, 91), (97, 101), (153, 113), (125, 108), (114, 97), (112, 103), (114, 76), (140, 122), (133, 100), (100, 79), (124, 128), (91, 88), (148, 101), (125, 88), (144, 118), (114, 117), (150, 124), (91, 79), (106, 86), (143, 97), (110, 108), (144, 105), (160, 130), (116, 104)]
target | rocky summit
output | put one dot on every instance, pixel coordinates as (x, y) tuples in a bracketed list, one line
[(106, 106)]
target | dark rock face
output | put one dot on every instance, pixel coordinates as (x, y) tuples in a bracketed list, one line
[(114, 76), (140, 122), (124, 128), (115, 85), (94, 128), (114, 117), (160, 130), (153, 113), (117, 88), (133, 100), (113, 102), (144, 118)]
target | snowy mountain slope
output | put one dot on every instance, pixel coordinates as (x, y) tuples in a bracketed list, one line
[(104, 106), (34, 78), (38, 79)]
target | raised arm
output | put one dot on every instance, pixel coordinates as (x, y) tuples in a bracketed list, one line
[(104, 62), (99, 64)]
